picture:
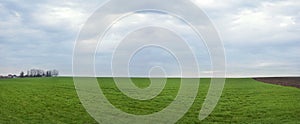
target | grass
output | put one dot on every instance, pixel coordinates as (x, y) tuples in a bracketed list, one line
[(54, 100)]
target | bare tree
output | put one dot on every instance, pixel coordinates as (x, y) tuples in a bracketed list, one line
[(27, 75), (41, 73), (21, 74), (55, 73), (48, 73)]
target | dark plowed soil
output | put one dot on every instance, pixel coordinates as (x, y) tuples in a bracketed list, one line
[(284, 81)]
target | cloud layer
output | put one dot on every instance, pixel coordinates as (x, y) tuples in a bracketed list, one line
[(261, 37)]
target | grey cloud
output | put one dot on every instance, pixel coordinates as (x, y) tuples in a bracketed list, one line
[(33, 36), (260, 37)]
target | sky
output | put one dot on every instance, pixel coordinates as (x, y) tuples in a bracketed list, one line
[(260, 37)]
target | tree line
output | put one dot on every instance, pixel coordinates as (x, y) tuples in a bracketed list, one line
[(39, 73)]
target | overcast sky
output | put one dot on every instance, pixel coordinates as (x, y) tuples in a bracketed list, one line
[(261, 37)]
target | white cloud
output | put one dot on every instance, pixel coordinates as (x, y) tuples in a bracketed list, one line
[(272, 21)]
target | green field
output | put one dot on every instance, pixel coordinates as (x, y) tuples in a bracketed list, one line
[(54, 100)]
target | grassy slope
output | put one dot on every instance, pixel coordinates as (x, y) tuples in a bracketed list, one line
[(44, 100), (54, 100)]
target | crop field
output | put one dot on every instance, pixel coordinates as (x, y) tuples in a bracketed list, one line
[(54, 100)]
